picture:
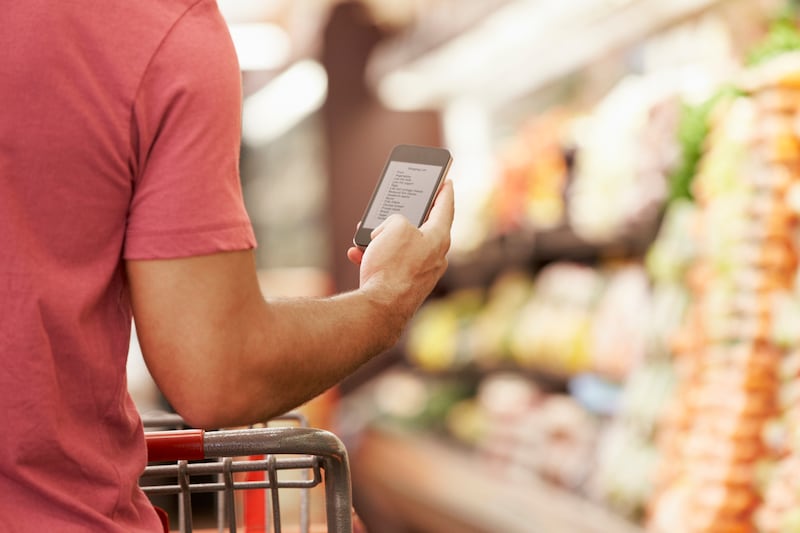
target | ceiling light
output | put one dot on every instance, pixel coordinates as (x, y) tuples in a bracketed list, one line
[(235, 11), (519, 48), (260, 46), (284, 102)]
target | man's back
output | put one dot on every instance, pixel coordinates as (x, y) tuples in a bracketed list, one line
[(95, 125)]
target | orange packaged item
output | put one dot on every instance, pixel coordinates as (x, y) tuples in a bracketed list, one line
[(765, 207), (726, 501), (789, 78), (774, 179), (782, 147), (726, 380), (709, 447), (772, 125), (724, 474), (717, 510), (771, 251), (733, 525), (734, 428), (737, 403), (777, 100), (752, 361)]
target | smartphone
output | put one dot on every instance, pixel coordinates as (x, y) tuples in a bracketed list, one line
[(408, 185)]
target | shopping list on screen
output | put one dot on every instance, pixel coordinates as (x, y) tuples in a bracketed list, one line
[(405, 190)]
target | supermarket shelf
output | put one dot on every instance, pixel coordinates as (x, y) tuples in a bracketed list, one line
[(549, 380), (479, 267), (528, 250), (437, 488)]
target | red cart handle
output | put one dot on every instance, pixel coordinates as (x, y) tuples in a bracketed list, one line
[(184, 444)]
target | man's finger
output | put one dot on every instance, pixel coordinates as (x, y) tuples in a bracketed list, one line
[(355, 255), (394, 218), (441, 215)]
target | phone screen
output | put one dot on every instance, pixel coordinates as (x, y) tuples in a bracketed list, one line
[(410, 180), (405, 189)]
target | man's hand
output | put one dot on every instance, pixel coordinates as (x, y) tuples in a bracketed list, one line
[(403, 263)]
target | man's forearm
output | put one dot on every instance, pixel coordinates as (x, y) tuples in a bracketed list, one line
[(301, 347)]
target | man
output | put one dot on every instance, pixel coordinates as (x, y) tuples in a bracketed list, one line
[(119, 196)]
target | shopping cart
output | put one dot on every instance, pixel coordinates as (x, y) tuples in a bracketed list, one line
[(182, 462)]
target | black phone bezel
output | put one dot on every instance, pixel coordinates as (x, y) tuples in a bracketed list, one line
[(407, 153)]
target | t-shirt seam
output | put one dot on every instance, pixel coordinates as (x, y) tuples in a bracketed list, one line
[(146, 69), (188, 231)]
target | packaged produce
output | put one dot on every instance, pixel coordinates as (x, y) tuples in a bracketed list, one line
[(725, 441), (553, 328), (533, 176), (619, 180)]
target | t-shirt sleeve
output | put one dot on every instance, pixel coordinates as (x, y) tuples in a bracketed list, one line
[(185, 132)]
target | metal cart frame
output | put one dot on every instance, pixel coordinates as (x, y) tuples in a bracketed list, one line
[(318, 453)]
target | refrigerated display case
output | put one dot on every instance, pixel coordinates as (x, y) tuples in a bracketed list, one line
[(539, 307)]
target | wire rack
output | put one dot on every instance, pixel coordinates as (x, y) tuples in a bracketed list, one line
[(183, 462)]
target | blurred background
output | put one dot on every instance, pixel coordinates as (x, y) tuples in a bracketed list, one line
[(614, 347)]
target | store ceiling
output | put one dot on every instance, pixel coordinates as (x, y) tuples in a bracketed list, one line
[(278, 42), (442, 47), (517, 48), (273, 33), (492, 51)]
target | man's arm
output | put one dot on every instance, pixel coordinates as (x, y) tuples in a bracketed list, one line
[(223, 355)]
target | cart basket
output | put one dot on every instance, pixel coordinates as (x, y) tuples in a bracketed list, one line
[(181, 456)]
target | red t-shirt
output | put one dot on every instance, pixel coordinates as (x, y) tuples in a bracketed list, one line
[(119, 139)]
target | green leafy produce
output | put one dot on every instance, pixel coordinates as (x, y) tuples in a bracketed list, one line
[(692, 131), (693, 127), (782, 37)]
